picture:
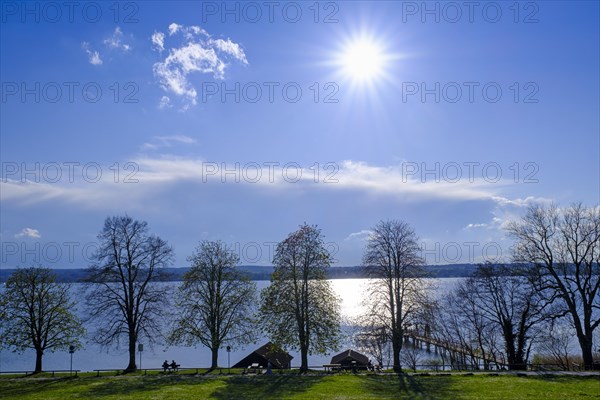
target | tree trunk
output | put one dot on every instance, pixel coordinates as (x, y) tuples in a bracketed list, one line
[(304, 359), (131, 367), (584, 336), (515, 362), (586, 353), (215, 357), (396, 347), (38, 360)]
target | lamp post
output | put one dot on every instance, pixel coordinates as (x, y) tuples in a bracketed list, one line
[(71, 351), (228, 359), (140, 349)]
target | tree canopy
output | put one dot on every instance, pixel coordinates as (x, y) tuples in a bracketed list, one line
[(124, 297), (299, 309), (215, 301), (38, 313)]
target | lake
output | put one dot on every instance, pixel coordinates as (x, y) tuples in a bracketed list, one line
[(351, 292)]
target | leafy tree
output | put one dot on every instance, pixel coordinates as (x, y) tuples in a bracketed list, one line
[(564, 247), (124, 297), (392, 261), (299, 309), (216, 301), (37, 313)]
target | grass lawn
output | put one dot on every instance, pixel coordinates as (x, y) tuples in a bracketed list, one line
[(292, 386)]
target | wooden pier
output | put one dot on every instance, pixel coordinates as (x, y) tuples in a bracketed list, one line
[(458, 356)]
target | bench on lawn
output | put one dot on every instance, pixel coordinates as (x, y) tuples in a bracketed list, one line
[(255, 368), (332, 367), (171, 368)]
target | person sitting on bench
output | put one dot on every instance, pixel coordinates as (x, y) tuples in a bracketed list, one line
[(174, 365), (165, 365)]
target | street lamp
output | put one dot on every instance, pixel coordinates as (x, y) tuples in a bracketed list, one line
[(140, 349), (228, 358), (71, 351)]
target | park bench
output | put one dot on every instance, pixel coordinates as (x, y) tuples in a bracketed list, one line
[(97, 371), (254, 368), (332, 367), (170, 368)]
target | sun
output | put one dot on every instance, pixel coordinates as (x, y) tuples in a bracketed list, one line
[(362, 60)]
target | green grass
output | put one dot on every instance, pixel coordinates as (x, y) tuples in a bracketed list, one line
[(292, 386)]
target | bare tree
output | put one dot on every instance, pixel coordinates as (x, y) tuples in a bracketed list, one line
[(411, 355), (124, 297), (37, 313), (564, 247), (372, 339), (505, 297), (299, 309), (555, 344), (460, 325), (396, 290), (216, 301)]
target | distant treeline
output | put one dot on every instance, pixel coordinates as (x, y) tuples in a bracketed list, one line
[(263, 273)]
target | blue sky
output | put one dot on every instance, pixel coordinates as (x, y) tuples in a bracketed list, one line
[(399, 112)]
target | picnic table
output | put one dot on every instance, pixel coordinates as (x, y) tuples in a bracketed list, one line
[(332, 367), (255, 368)]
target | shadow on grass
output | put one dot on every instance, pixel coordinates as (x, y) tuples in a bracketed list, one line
[(231, 387), (22, 387), (563, 378), (410, 387), (266, 386), (123, 386)]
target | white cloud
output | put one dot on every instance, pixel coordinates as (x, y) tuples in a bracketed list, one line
[(177, 138), (28, 232), (502, 201), (158, 39), (376, 182), (197, 54), (389, 180), (93, 56), (173, 28), (360, 235), (115, 41), (165, 102), (472, 226), (168, 141), (233, 49)]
